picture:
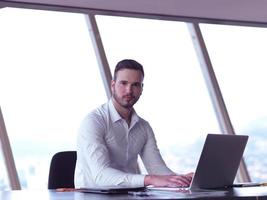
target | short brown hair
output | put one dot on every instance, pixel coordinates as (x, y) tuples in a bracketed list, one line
[(128, 64)]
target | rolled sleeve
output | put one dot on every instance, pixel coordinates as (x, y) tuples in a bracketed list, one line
[(138, 180)]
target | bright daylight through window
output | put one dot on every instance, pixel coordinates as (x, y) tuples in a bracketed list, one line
[(49, 80), (239, 60)]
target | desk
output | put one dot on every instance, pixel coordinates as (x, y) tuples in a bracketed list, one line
[(249, 193)]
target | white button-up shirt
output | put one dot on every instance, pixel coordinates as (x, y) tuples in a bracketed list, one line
[(107, 150)]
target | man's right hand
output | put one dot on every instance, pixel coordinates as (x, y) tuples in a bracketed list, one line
[(169, 180)]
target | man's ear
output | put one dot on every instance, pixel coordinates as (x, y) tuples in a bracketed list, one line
[(142, 88), (112, 85)]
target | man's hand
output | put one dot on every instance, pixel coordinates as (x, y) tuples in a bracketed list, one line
[(169, 180)]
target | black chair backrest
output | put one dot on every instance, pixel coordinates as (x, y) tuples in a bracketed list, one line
[(61, 172)]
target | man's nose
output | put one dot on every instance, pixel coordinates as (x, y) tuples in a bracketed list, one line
[(129, 88)]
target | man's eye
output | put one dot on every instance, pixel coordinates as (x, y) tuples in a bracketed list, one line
[(137, 85), (123, 82)]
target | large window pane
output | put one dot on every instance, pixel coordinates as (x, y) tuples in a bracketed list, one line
[(175, 100), (49, 80), (238, 55), (4, 183)]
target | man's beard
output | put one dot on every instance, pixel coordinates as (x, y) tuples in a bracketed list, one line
[(125, 104)]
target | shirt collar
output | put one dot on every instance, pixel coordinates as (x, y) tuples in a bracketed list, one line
[(135, 118), (115, 116)]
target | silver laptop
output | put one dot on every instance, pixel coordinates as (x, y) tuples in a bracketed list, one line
[(219, 161)]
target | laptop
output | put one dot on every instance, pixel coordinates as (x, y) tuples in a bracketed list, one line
[(219, 161)]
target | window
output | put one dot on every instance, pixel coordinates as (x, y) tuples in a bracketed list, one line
[(49, 81), (4, 184), (239, 60), (175, 99)]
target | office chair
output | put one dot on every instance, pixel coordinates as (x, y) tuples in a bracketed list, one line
[(61, 172)]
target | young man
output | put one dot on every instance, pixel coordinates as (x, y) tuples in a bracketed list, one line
[(112, 136)]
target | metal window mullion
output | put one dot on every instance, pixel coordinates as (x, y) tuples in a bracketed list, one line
[(100, 53), (8, 156), (214, 91)]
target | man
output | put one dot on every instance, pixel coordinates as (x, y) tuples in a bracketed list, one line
[(113, 135)]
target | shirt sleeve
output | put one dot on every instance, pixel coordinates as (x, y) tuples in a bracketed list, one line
[(151, 156), (95, 159)]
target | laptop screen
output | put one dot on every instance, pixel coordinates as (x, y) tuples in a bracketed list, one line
[(219, 161)]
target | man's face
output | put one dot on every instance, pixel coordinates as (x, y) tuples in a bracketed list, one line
[(127, 88)]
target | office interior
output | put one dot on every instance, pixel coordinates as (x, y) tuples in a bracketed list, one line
[(204, 64)]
